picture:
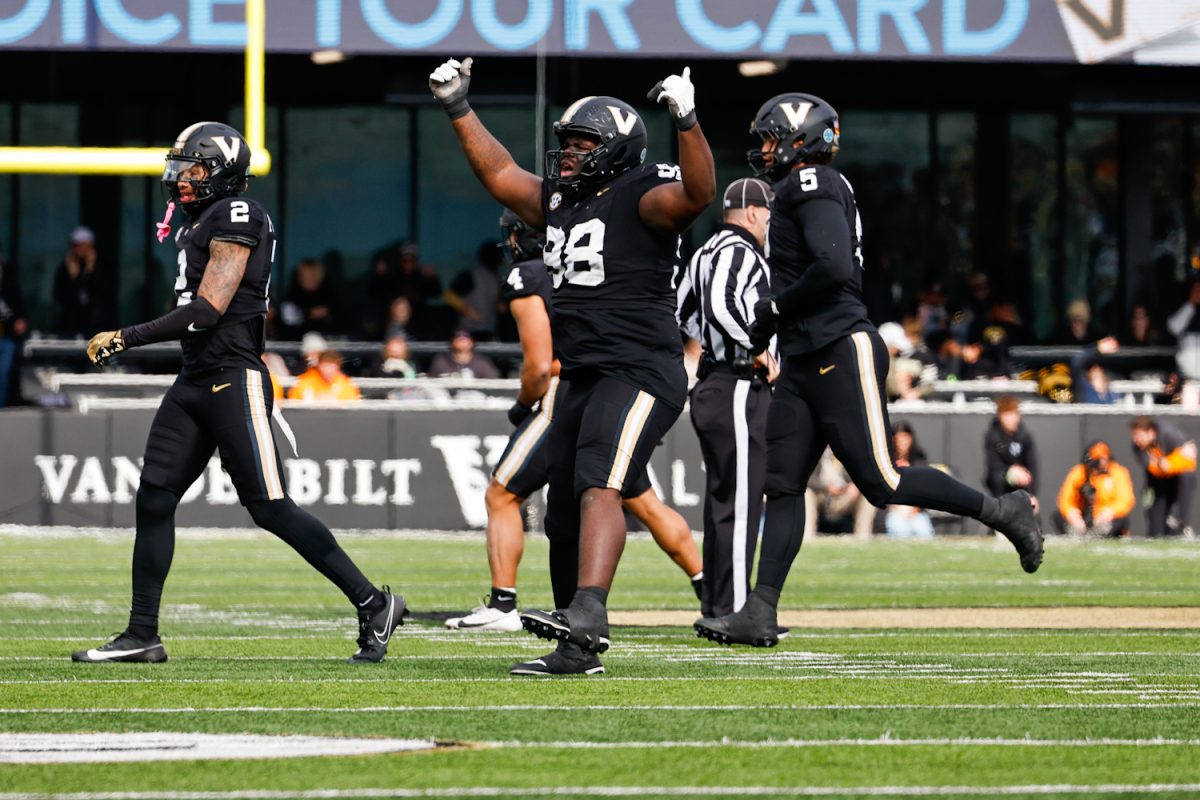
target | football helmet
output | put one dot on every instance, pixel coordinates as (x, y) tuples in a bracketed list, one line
[(620, 137), (224, 154), (804, 127), (527, 243)]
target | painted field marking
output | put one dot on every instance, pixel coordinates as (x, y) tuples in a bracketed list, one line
[(631, 791), (883, 741), (79, 748), (472, 709)]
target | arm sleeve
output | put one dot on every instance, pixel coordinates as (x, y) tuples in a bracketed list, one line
[(1080, 364), (175, 324), (827, 236)]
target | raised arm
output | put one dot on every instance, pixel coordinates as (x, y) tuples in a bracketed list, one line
[(672, 207), (492, 164)]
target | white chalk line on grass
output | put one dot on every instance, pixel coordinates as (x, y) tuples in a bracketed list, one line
[(474, 709), (629, 791), (883, 741)]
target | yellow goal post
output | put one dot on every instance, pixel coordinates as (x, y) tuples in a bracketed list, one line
[(149, 160)]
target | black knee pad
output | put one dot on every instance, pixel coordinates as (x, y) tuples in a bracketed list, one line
[(155, 502)]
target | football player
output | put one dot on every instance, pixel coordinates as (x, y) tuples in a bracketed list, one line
[(612, 228), (222, 400), (521, 470), (831, 387)]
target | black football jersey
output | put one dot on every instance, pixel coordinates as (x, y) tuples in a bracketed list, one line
[(614, 305), (238, 339), (830, 317), (527, 278)]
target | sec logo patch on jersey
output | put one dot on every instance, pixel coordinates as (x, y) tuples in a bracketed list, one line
[(555, 201)]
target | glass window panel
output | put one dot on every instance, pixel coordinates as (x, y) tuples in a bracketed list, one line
[(348, 182), (456, 214), (6, 187), (1162, 287), (1034, 235), (885, 155), (953, 246), (49, 207), (1092, 269)]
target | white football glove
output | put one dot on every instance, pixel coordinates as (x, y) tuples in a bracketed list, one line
[(449, 83), (680, 95)]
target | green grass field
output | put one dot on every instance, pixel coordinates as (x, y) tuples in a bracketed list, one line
[(257, 643)]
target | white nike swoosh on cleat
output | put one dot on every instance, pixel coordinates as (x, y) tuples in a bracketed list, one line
[(387, 626), (105, 655)]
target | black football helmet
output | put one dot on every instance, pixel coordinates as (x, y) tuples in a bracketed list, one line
[(527, 244), (222, 151), (621, 142), (804, 127)]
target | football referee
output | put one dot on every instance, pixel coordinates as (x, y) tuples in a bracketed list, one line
[(716, 298)]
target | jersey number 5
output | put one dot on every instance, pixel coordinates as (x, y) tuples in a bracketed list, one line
[(579, 258)]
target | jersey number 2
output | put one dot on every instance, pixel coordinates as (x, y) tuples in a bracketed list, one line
[(579, 258), (239, 211)]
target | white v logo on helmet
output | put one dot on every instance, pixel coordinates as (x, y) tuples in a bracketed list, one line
[(230, 146), (796, 113), (624, 123)]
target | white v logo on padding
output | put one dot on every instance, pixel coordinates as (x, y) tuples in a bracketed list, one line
[(796, 112), (230, 146), (624, 123)]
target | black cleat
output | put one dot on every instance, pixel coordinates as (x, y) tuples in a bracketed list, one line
[(375, 630), (127, 648), (755, 625), (571, 624), (1020, 526), (567, 659)]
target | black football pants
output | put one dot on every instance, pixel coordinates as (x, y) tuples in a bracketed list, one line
[(730, 417), (834, 396), (229, 413)]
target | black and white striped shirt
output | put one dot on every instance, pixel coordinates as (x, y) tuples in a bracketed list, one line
[(716, 293)]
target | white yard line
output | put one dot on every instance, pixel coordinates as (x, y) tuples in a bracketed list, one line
[(1134, 789), (471, 709), (886, 741)]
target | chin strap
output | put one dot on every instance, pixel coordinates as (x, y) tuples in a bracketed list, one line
[(164, 227)]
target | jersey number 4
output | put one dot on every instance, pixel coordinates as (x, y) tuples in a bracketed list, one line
[(578, 258)]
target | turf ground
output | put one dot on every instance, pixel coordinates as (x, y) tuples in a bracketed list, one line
[(257, 644)]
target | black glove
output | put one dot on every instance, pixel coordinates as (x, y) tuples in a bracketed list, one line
[(519, 413), (449, 84), (765, 325)]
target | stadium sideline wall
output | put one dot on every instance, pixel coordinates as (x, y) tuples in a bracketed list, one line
[(428, 469)]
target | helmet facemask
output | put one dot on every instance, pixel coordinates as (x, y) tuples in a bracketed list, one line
[(589, 164)]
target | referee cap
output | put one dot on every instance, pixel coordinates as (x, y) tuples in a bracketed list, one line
[(748, 192)]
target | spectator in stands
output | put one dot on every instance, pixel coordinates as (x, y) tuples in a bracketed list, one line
[(325, 381), (907, 522), (989, 339), (1089, 380), (833, 503), (1184, 325), (1009, 452), (905, 378), (399, 318), (397, 271), (475, 293), (394, 361), (13, 328), (1168, 457), (312, 344), (312, 302), (82, 288), (462, 361), (1141, 331), (931, 311), (1096, 498), (1078, 329)]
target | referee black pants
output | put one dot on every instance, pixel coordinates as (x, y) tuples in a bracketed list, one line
[(730, 417), (834, 396)]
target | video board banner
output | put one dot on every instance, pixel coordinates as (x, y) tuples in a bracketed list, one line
[(1086, 31)]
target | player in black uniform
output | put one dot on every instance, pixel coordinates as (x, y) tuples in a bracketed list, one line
[(222, 399), (834, 365), (612, 225), (522, 468)]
